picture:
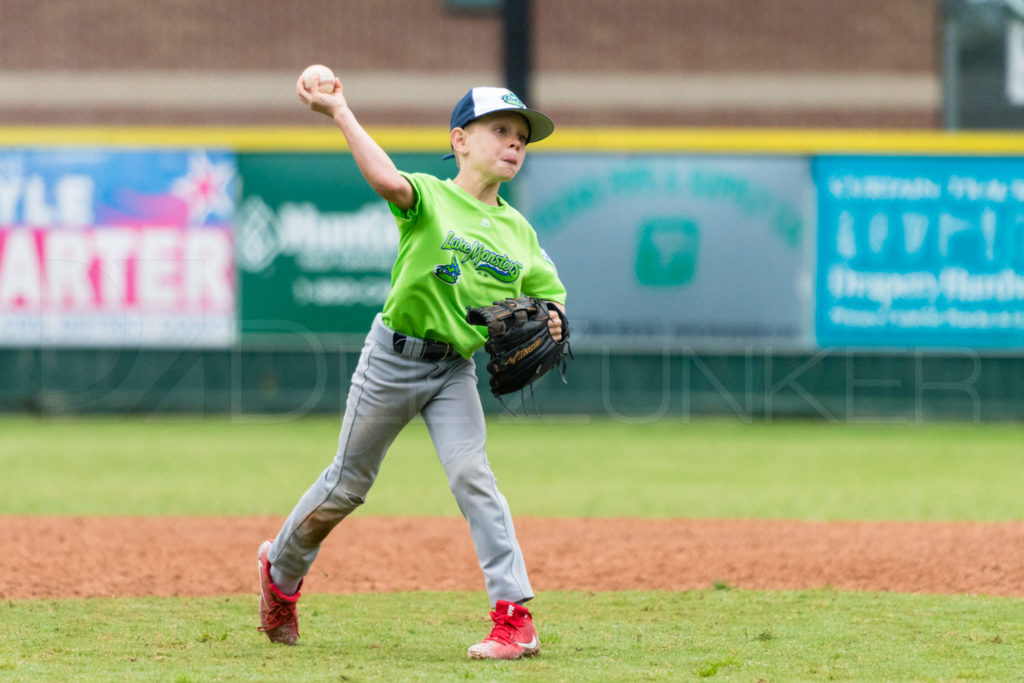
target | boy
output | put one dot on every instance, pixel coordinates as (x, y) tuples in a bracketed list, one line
[(460, 245)]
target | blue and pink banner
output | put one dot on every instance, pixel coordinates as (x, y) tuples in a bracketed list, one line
[(117, 248)]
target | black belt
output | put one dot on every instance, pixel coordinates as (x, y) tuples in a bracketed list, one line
[(425, 349)]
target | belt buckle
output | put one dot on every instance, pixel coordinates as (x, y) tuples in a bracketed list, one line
[(398, 343), (429, 349), (432, 347)]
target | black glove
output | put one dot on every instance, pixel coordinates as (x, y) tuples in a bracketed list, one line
[(521, 347)]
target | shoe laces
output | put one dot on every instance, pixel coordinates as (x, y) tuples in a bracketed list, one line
[(504, 628), (280, 612)]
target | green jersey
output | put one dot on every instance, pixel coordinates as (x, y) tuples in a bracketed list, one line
[(456, 252)]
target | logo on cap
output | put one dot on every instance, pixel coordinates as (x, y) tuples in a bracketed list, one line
[(513, 99)]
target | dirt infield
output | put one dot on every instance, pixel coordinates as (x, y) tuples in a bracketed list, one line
[(63, 557)]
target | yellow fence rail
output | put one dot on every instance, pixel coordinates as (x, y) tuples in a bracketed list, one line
[(772, 141)]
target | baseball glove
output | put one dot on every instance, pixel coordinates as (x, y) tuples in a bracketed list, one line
[(522, 349)]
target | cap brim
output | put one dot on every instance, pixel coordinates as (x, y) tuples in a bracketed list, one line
[(540, 125)]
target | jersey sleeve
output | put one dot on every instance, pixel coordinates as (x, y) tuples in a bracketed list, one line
[(407, 218), (542, 279)]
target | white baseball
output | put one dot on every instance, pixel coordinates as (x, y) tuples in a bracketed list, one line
[(320, 71)]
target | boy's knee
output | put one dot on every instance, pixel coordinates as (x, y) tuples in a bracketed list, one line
[(470, 475), (345, 502), (319, 523)]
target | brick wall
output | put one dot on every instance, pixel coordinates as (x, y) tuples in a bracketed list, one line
[(847, 63)]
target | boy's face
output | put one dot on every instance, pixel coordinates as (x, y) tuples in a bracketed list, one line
[(496, 143)]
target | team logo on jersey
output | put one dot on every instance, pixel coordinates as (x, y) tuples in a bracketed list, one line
[(449, 273), (484, 259)]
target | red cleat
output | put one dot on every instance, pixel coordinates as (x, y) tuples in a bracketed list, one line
[(512, 637), (279, 615)]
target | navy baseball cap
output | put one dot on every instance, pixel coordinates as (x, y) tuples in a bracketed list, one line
[(487, 100)]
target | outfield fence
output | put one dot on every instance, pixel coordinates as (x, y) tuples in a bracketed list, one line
[(756, 274)]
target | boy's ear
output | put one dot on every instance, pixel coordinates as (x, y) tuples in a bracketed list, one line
[(458, 140)]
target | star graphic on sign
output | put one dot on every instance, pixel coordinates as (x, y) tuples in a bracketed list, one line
[(205, 188)]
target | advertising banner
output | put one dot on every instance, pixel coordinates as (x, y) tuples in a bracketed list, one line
[(116, 248), (315, 245), (920, 251), (663, 251)]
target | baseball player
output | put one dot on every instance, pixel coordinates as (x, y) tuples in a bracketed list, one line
[(460, 245)]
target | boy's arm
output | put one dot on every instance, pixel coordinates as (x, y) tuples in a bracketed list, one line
[(374, 163)]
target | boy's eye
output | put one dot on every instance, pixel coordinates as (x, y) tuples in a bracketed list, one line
[(504, 131)]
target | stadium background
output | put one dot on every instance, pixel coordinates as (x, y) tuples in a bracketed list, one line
[(741, 89)]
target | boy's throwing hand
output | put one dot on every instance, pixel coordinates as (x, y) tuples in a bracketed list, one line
[(324, 103)]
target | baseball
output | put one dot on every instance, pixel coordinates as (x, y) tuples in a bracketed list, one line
[(320, 71)]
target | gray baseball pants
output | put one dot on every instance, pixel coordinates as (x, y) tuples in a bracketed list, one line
[(388, 390)]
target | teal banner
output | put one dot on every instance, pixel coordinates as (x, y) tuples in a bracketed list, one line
[(314, 246), (920, 251)]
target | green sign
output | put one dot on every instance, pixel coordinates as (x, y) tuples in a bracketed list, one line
[(314, 245), (688, 250)]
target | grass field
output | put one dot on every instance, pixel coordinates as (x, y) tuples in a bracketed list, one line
[(706, 469), (721, 635)]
